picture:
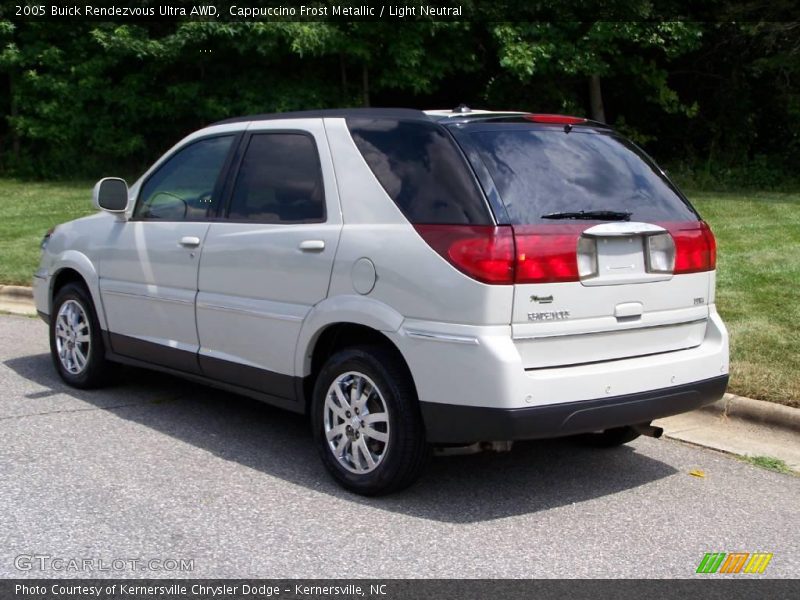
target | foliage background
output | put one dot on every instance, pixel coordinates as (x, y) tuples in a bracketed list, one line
[(716, 100), (712, 95)]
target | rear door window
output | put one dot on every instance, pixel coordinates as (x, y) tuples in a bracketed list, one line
[(279, 181), (541, 171), (422, 170)]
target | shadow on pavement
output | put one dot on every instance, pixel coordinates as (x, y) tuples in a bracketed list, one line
[(534, 476)]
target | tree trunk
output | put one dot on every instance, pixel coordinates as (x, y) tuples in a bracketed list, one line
[(343, 75), (365, 83), (596, 99), (13, 112)]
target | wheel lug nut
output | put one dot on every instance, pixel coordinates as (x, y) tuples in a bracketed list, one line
[(348, 414)]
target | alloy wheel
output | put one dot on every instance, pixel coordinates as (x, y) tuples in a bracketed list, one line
[(73, 337), (356, 422)]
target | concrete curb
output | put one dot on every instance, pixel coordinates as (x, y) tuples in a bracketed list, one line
[(16, 293), (756, 411), (17, 300)]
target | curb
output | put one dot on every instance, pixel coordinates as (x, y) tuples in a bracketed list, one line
[(756, 411), (17, 300), (730, 406), (16, 293)]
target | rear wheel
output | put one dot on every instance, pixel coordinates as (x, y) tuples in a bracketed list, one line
[(367, 426), (76, 343), (609, 438)]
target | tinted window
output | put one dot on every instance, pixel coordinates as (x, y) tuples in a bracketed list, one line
[(183, 187), (279, 181), (421, 169), (541, 171)]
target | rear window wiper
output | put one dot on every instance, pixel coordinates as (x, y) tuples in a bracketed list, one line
[(591, 215)]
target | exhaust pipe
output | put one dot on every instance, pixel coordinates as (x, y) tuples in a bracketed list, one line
[(649, 430)]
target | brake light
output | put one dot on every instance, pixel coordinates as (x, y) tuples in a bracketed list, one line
[(508, 254), (484, 252), (556, 119), (695, 246), (547, 253), (557, 253)]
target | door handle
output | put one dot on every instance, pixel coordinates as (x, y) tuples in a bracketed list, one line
[(190, 241), (312, 246)]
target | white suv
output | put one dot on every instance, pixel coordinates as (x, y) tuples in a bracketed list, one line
[(407, 279)]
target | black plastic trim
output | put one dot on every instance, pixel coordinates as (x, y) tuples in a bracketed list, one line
[(248, 377), (173, 358), (456, 424), (151, 356), (43, 316)]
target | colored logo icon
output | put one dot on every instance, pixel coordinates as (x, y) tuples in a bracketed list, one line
[(735, 562)]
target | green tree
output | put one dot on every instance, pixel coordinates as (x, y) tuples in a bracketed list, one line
[(595, 51)]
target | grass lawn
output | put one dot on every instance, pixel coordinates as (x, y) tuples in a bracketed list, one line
[(758, 278), (758, 288), (27, 211)]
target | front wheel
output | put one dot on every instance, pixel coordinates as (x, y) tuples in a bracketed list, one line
[(367, 425), (76, 343)]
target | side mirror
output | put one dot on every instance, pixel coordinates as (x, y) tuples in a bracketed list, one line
[(111, 194)]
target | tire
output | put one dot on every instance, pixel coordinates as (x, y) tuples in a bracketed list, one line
[(76, 342), (610, 438), (383, 453)]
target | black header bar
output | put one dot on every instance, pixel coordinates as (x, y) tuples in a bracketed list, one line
[(399, 11)]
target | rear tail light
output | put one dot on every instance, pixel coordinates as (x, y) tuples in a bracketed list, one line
[(695, 246), (547, 253), (558, 253), (506, 254), (483, 252)]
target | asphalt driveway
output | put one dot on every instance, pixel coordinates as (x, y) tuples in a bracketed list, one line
[(159, 469)]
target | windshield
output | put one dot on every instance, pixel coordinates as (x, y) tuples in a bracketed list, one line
[(541, 172)]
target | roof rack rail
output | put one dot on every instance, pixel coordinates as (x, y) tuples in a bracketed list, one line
[(376, 113)]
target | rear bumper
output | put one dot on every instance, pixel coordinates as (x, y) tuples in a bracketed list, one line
[(453, 423)]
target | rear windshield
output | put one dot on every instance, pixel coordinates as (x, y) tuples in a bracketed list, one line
[(541, 171), (422, 170)]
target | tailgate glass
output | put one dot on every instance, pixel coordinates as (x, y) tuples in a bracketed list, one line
[(544, 170)]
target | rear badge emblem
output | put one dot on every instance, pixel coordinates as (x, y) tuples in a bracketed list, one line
[(542, 299), (551, 315)]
